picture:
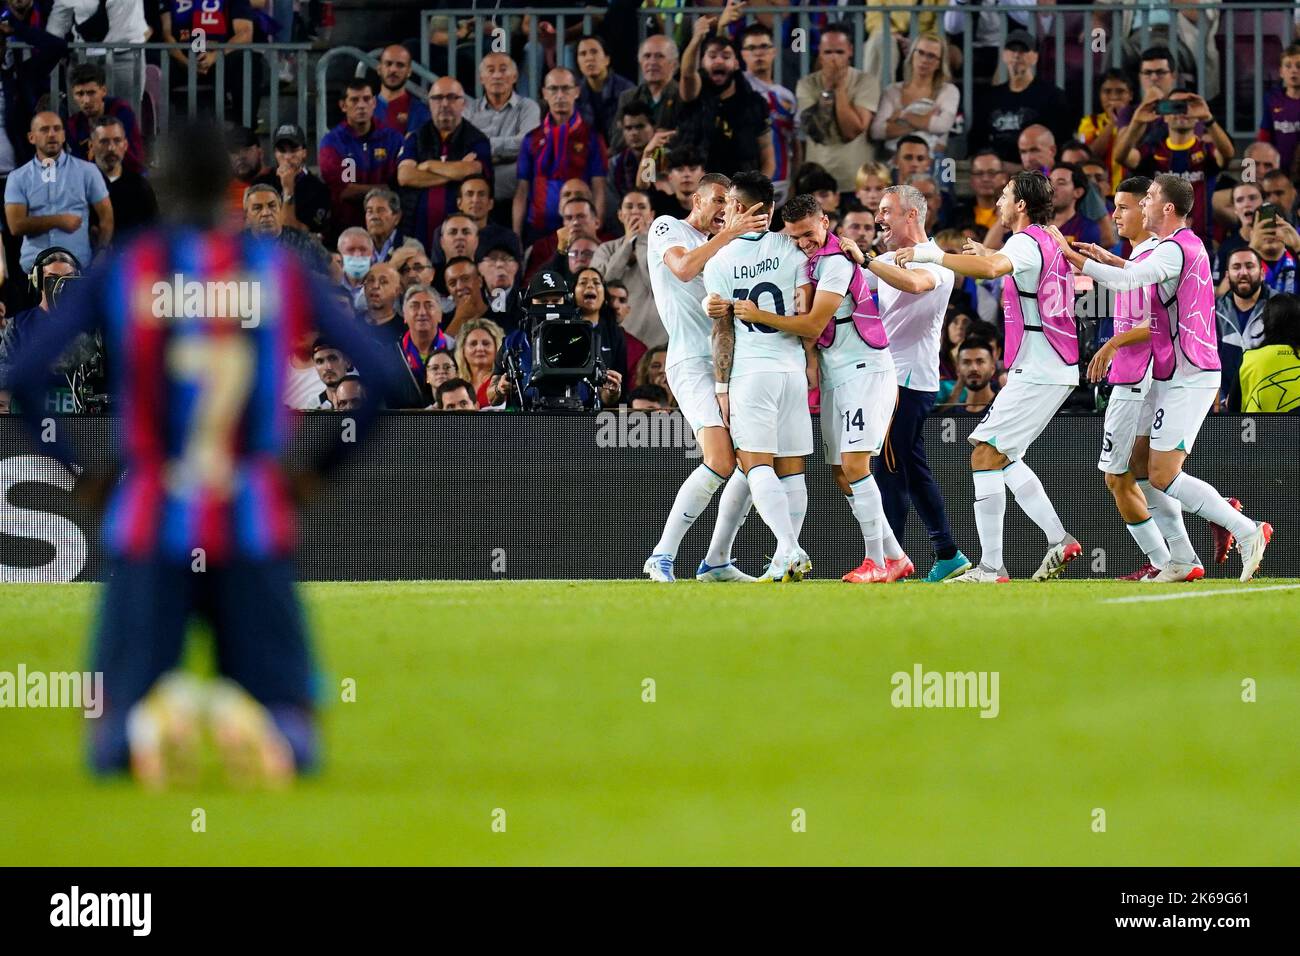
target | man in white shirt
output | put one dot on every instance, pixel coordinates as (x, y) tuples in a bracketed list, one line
[(1042, 352)]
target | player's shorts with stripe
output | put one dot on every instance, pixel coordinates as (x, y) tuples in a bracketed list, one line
[(691, 381), (1128, 418), (1018, 415), (856, 414), (769, 413), (1178, 414)]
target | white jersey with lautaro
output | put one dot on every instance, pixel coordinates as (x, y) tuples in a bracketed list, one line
[(766, 269), (678, 302)]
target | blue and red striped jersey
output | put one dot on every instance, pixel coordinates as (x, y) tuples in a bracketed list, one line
[(198, 328), (550, 155)]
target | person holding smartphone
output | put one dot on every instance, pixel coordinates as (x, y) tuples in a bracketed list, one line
[(1278, 245)]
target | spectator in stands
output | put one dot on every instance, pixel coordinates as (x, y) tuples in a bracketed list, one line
[(1268, 373), (627, 260), (1278, 245), (870, 182), (221, 24), (860, 226), (113, 22), (475, 201), (468, 297), (440, 367), (1197, 158), (589, 296), (22, 83), (1069, 185), (685, 167), (383, 211), (1036, 146), (579, 223), (721, 113), (1173, 27), (1157, 79), (306, 197), (90, 92), (456, 395), (986, 44), (1239, 313), (357, 155), (924, 104), (1114, 95), (911, 157), (419, 333), (1281, 192), (134, 203), (349, 394), (1246, 200), (413, 266), (977, 372), (564, 147), (653, 370), (500, 269), (457, 239), (246, 163), (396, 107), (955, 324), (821, 185), (332, 367), (437, 158), (505, 118), (23, 328), (382, 290), (31, 13), (658, 62), (476, 354), (987, 180), (301, 381), (619, 300), (648, 398), (48, 200), (600, 87), (625, 165), (836, 106), (1025, 99), (759, 53), (264, 217), (1280, 124), (1075, 152), (936, 216), (358, 255)]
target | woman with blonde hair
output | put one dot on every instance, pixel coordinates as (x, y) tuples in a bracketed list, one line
[(476, 353), (924, 103), (652, 370)]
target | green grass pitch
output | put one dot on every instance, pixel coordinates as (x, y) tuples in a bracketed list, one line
[(528, 698)]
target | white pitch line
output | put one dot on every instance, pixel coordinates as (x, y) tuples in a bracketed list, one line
[(1198, 594)]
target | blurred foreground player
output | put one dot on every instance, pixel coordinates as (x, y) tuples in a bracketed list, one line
[(198, 324)]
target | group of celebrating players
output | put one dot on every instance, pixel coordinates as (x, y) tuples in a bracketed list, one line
[(756, 317)]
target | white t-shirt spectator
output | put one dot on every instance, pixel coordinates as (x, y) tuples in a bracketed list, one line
[(126, 23)]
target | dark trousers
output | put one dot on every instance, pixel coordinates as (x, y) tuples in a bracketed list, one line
[(903, 473), (257, 624)]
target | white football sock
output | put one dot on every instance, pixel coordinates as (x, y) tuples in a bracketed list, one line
[(893, 550), (866, 506), (1168, 515), (1200, 498), (773, 507), (692, 498), (733, 509), (1148, 538), (990, 506), (796, 490), (1033, 500)]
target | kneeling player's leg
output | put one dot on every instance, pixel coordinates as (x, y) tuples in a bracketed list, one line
[(139, 638), (698, 489), (990, 502), (262, 645)]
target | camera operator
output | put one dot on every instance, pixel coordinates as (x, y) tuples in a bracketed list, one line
[(83, 354), (547, 299)]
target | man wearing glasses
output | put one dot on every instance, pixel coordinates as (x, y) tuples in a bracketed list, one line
[(1157, 78), (437, 158), (564, 147), (759, 53)]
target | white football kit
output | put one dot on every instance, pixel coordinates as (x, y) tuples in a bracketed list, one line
[(769, 387), (689, 365), (1038, 382), (1129, 414)]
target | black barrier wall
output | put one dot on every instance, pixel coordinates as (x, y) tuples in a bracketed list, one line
[(487, 496)]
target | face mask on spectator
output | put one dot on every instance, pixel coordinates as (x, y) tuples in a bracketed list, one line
[(356, 267)]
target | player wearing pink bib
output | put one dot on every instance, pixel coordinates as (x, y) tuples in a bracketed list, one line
[(1185, 360), (1042, 356)]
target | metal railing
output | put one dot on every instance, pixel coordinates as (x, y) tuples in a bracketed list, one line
[(1057, 27), (364, 60)]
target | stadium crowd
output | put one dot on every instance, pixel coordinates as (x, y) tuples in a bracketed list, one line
[(430, 216)]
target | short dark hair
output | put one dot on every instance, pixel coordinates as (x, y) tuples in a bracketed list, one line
[(453, 385), (1278, 173), (718, 39), (753, 187), (1134, 186), (911, 138), (650, 393), (572, 199), (636, 108), (1075, 144), (976, 342), (1178, 191), (1153, 53), (815, 181), (1077, 176), (1249, 249), (1114, 73), (1035, 190), (800, 207), (986, 151), (837, 26), (84, 73), (1282, 321), (714, 179), (108, 119), (440, 351), (457, 260), (685, 155), (755, 29), (367, 82), (592, 36)]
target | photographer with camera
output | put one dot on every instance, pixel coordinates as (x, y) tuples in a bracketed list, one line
[(68, 386), (560, 357)]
